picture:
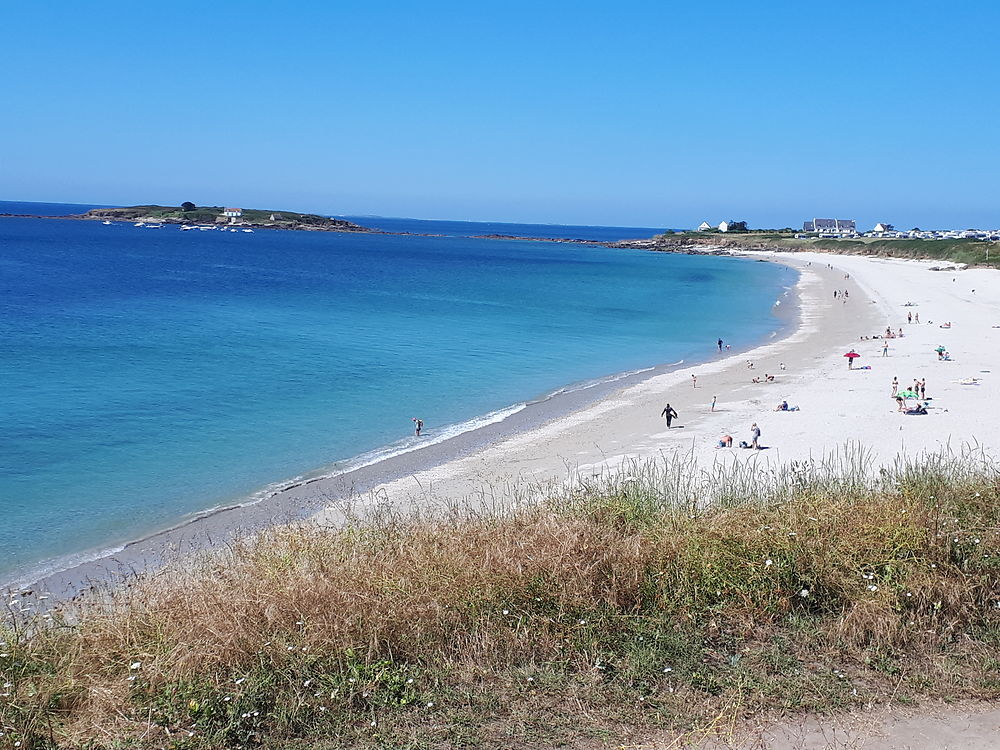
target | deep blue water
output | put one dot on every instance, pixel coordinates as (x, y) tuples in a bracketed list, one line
[(479, 228), (153, 373)]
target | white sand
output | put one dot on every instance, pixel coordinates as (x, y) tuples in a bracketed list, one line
[(836, 405)]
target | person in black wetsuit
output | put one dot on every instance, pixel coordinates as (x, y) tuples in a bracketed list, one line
[(669, 413)]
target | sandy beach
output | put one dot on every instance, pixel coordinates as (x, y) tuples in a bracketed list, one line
[(592, 432), (837, 405)]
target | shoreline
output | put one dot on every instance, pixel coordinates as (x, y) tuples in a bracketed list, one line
[(306, 497), (604, 429)]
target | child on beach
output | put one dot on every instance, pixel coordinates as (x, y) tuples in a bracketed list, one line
[(418, 425)]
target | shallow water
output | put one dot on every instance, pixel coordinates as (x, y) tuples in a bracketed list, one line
[(153, 373)]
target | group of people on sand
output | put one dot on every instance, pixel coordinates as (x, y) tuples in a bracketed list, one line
[(919, 391), (726, 441)]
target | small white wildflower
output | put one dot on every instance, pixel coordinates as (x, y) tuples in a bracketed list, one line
[(531, 679), (768, 563), (135, 665), (131, 678), (792, 533), (227, 699), (430, 704), (583, 622), (409, 681), (908, 593), (256, 713), (668, 670), (873, 587), (307, 683), (291, 648), (322, 709), (975, 541), (299, 622), (240, 680), (506, 611), (933, 565), (804, 592)]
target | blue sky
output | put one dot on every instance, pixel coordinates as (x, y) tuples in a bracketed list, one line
[(629, 113)]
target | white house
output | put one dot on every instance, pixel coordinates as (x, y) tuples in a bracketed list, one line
[(882, 227), (830, 226), (704, 226), (232, 214), (733, 226)]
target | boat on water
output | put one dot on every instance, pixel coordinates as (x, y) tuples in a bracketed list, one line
[(106, 223), (139, 224), (185, 227), (248, 231), (153, 226)]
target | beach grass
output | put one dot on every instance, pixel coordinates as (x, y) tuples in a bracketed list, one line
[(657, 598)]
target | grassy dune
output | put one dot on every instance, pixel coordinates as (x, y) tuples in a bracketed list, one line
[(659, 598), (968, 251)]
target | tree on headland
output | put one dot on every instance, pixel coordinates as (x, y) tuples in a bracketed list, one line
[(188, 206)]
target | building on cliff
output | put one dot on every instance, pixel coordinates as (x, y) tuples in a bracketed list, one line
[(830, 226)]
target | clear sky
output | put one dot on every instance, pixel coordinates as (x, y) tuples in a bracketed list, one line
[(630, 113)]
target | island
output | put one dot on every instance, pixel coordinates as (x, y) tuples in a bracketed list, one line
[(243, 218)]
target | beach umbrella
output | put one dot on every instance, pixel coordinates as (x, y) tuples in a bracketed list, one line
[(851, 356), (908, 394), (940, 349)]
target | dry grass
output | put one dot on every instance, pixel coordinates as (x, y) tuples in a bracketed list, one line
[(654, 598)]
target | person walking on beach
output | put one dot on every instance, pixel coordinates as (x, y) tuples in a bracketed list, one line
[(694, 381), (755, 436), (885, 349), (895, 386), (669, 413), (418, 425), (714, 399), (917, 317), (909, 317)]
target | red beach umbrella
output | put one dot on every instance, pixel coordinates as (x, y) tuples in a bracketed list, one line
[(851, 356)]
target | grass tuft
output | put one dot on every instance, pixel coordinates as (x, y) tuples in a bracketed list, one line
[(656, 596)]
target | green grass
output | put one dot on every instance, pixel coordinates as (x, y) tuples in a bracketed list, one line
[(968, 251), (661, 597)]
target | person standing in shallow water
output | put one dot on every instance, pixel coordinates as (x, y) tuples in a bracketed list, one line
[(720, 344), (669, 414), (418, 425)]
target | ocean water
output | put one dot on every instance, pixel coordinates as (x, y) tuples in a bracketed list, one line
[(150, 374), (480, 228)]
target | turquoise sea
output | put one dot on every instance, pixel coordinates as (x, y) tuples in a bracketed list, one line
[(151, 374)]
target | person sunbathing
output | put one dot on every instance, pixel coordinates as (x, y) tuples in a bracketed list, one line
[(783, 406), (726, 441)]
